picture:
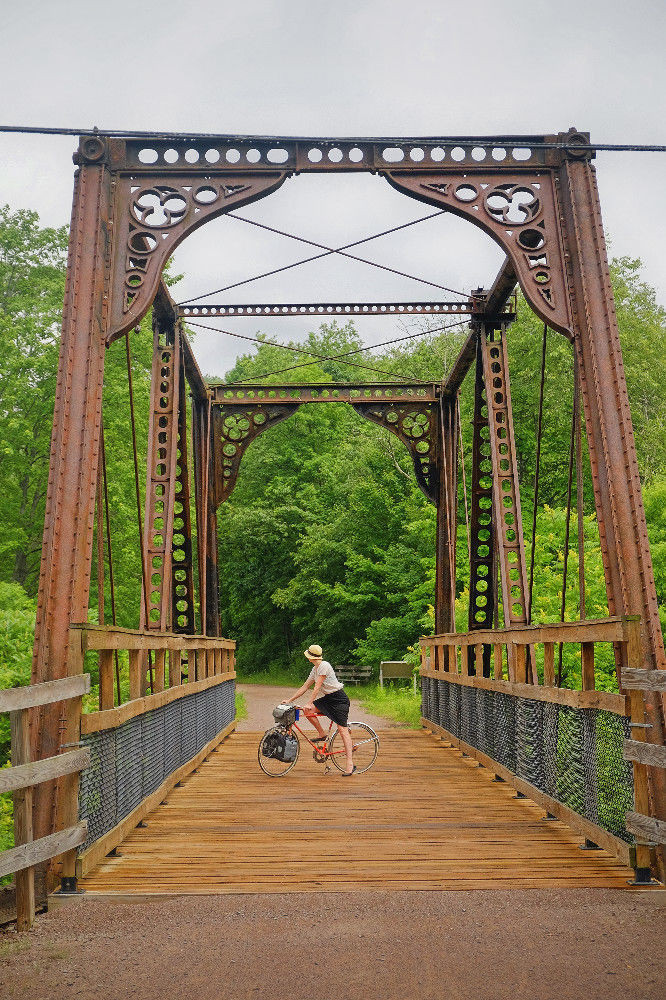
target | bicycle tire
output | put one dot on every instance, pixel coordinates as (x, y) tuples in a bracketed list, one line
[(362, 736), (271, 766)]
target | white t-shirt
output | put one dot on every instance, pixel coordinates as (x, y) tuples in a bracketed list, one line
[(331, 682)]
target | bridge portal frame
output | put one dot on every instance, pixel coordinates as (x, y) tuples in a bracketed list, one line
[(136, 200)]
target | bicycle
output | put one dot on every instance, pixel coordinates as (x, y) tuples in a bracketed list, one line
[(273, 746)]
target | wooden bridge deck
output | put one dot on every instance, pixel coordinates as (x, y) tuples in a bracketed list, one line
[(423, 818)]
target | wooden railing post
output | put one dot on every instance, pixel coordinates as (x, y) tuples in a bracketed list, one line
[(73, 709), (636, 698), (23, 804)]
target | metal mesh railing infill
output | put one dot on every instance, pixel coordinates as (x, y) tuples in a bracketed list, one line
[(574, 755), (129, 762)]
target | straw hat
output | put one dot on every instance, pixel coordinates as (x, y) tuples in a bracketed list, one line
[(313, 652)]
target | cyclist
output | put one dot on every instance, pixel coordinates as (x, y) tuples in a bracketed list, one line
[(330, 698)]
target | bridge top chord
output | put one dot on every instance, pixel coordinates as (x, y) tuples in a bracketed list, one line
[(329, 154)]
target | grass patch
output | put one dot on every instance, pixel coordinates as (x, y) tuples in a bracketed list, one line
[(241, 706), (392, 702), (281, 677)]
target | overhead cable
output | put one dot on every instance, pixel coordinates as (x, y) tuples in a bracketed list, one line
[(327, 253), (484, 142)]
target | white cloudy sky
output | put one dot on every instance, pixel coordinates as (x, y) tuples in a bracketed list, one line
[(343, 68)]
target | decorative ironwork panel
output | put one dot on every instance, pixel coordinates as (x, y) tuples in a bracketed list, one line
[(237, 425), (161, 478), (182, 582), (506, 492), (416, 426)]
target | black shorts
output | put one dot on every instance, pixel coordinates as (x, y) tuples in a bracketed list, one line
[(334, 706)]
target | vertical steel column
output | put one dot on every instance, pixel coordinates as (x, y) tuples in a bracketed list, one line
[(64, 580), (483, 561), (507, 515), (447, 516), (182, 583), (161, 475), (204, 488), (626, 554)]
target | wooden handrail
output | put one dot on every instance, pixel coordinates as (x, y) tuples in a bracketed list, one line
[(440, 658), (25, 773), (206, 656)]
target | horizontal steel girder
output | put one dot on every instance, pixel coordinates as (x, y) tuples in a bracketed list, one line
[(331, 154), (323, 309), (325, 392)]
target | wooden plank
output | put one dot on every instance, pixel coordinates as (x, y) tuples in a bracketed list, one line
[(23, 806), (649, 829), (587, 665), (134, 674), (17, 859), (424, 818), (549, 664), (606, 700), (593, 630), (643, 753), (175, 674), (114, 637), (521, 664), (105, 679), (34, 695), (159, 676), (33, 773), (573, 819), (644, 680), (94, 722), (97, 851)]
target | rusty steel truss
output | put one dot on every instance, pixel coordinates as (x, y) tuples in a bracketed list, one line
[(136, 200)]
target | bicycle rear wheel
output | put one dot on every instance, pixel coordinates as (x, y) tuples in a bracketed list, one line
[(365, 743), (273, 766)]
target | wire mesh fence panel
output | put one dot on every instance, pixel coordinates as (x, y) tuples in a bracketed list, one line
[(574, 755), (133, 759)]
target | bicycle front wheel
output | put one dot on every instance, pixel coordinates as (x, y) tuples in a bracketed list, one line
[(269, 763), (365, 743)]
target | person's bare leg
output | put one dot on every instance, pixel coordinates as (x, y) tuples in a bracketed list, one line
[(314, 719), (349, 749)]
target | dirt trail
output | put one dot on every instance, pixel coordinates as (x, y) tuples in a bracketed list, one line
[(601, 944), (261, 699)]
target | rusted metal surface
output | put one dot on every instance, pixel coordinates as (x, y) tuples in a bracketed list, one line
[(64, 581), (447, 514), (622, 527), (326, 392), (241, 413), (483, 561), (507, 516), (161, 477), (182, 579), (320, 310)]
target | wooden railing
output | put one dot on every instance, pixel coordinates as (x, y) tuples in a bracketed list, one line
[(25, 773), (176, 659), (446, 657), (648, 831), (182, 665), (458, 659)]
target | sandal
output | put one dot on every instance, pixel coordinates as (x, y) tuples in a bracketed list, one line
[(348, 774), (319, 739)]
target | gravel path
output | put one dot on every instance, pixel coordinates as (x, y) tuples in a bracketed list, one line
[(600, 944), (261, 699)]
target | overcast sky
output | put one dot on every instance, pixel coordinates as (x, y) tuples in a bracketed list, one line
[(342, 68)]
